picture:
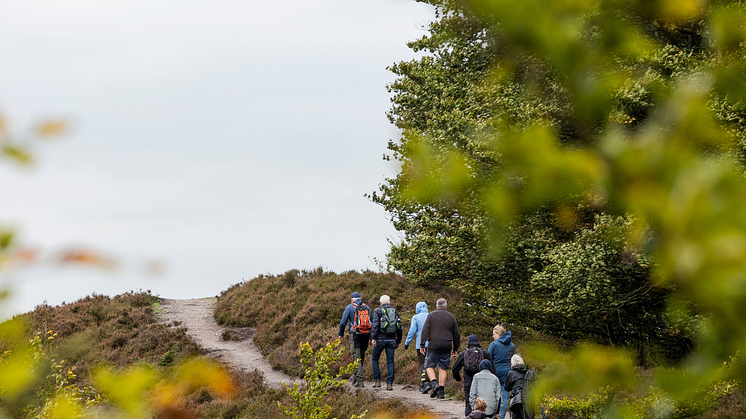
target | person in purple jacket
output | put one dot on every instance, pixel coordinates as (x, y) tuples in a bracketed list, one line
[(501, 350)]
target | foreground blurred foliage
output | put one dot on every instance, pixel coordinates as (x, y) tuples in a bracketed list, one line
[(110, 357), (578, 167), (317, 381)]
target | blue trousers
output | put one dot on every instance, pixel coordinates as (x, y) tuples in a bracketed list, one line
[(389, 346), (504, 406)]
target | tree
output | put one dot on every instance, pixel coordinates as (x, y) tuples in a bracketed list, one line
[(477, 85), (653, 95)]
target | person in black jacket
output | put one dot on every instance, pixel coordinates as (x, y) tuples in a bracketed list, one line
[(471, 344), (380, 340), (515, 383), (441, 333)]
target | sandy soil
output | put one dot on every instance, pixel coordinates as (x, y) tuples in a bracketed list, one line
[(196, 316)]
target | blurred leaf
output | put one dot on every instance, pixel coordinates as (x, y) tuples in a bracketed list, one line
[(128, 389), (16, 153), (50, 128)]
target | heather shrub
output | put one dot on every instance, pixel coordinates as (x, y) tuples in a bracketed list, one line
[(119, 331), (284, 317)]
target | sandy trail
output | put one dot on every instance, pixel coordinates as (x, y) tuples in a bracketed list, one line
[(196, 316)]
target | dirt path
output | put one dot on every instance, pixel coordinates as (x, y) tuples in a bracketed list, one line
[(196, 316)]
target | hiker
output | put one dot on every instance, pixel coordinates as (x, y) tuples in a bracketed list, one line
[(386, 335), (361, 328), (469, 360), (486, 386), (501, 350), (516, 383), (441, 334), (415, 328), (479, 406), (348, 317)]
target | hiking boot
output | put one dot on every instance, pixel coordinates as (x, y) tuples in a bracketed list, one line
[(389, 387), (424, 384), (377, 384), (441, 392), (436, 391)]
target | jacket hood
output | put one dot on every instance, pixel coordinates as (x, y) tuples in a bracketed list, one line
[(505, 338), (520, 368), (421, 307)]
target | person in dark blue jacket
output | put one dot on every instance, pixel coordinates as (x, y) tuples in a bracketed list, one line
[(349, 317), (383, 341), (501, 350), (415, 328)]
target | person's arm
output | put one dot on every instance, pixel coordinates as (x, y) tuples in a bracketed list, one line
[(425, 336), (412, 331), (398, 330), (498, 395), (509, 381), (456, 368), (343, 323), (375, 324), (492, 351), (456, 336)]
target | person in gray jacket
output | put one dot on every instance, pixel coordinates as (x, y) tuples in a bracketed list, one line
[(485, 385)]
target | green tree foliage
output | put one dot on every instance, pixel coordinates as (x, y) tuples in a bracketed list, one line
[(318, 380), (618, 70), (652, 93)]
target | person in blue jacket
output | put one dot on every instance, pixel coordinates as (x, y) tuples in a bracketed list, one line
[(415, 328), (349, 317), (501, 350)]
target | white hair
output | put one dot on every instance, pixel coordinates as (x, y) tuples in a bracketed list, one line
[(516, 360), (441, 303), (385, 299)]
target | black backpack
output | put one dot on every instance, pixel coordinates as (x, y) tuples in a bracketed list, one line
[(472, 357), (390, 322)]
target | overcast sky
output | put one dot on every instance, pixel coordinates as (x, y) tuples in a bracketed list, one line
[(222, 139)]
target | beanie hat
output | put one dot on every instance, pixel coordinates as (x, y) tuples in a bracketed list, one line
[(355, 295), (485, 364), (473, 341)]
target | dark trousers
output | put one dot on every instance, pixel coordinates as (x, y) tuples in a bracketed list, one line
[(360, 345), (421, 365), (389, 346), (467, 390)]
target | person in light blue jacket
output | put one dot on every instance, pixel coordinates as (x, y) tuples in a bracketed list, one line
[(415, 328)]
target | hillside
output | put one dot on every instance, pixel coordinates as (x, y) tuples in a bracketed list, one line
[(296, 307)]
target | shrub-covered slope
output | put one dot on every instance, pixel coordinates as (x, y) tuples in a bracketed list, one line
[(296, 307), (118, 331)]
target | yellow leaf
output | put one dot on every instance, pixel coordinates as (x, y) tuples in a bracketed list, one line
[(52, 127)]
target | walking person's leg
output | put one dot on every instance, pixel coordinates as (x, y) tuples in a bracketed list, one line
[(390, 348), (504, 406), (374, 361), (467, 409)]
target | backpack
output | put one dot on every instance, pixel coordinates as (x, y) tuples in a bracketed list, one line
[(361, 320), (520, 394), (472, 357), (390, 322)]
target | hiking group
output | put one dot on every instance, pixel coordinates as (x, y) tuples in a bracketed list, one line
[(494, 380)]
